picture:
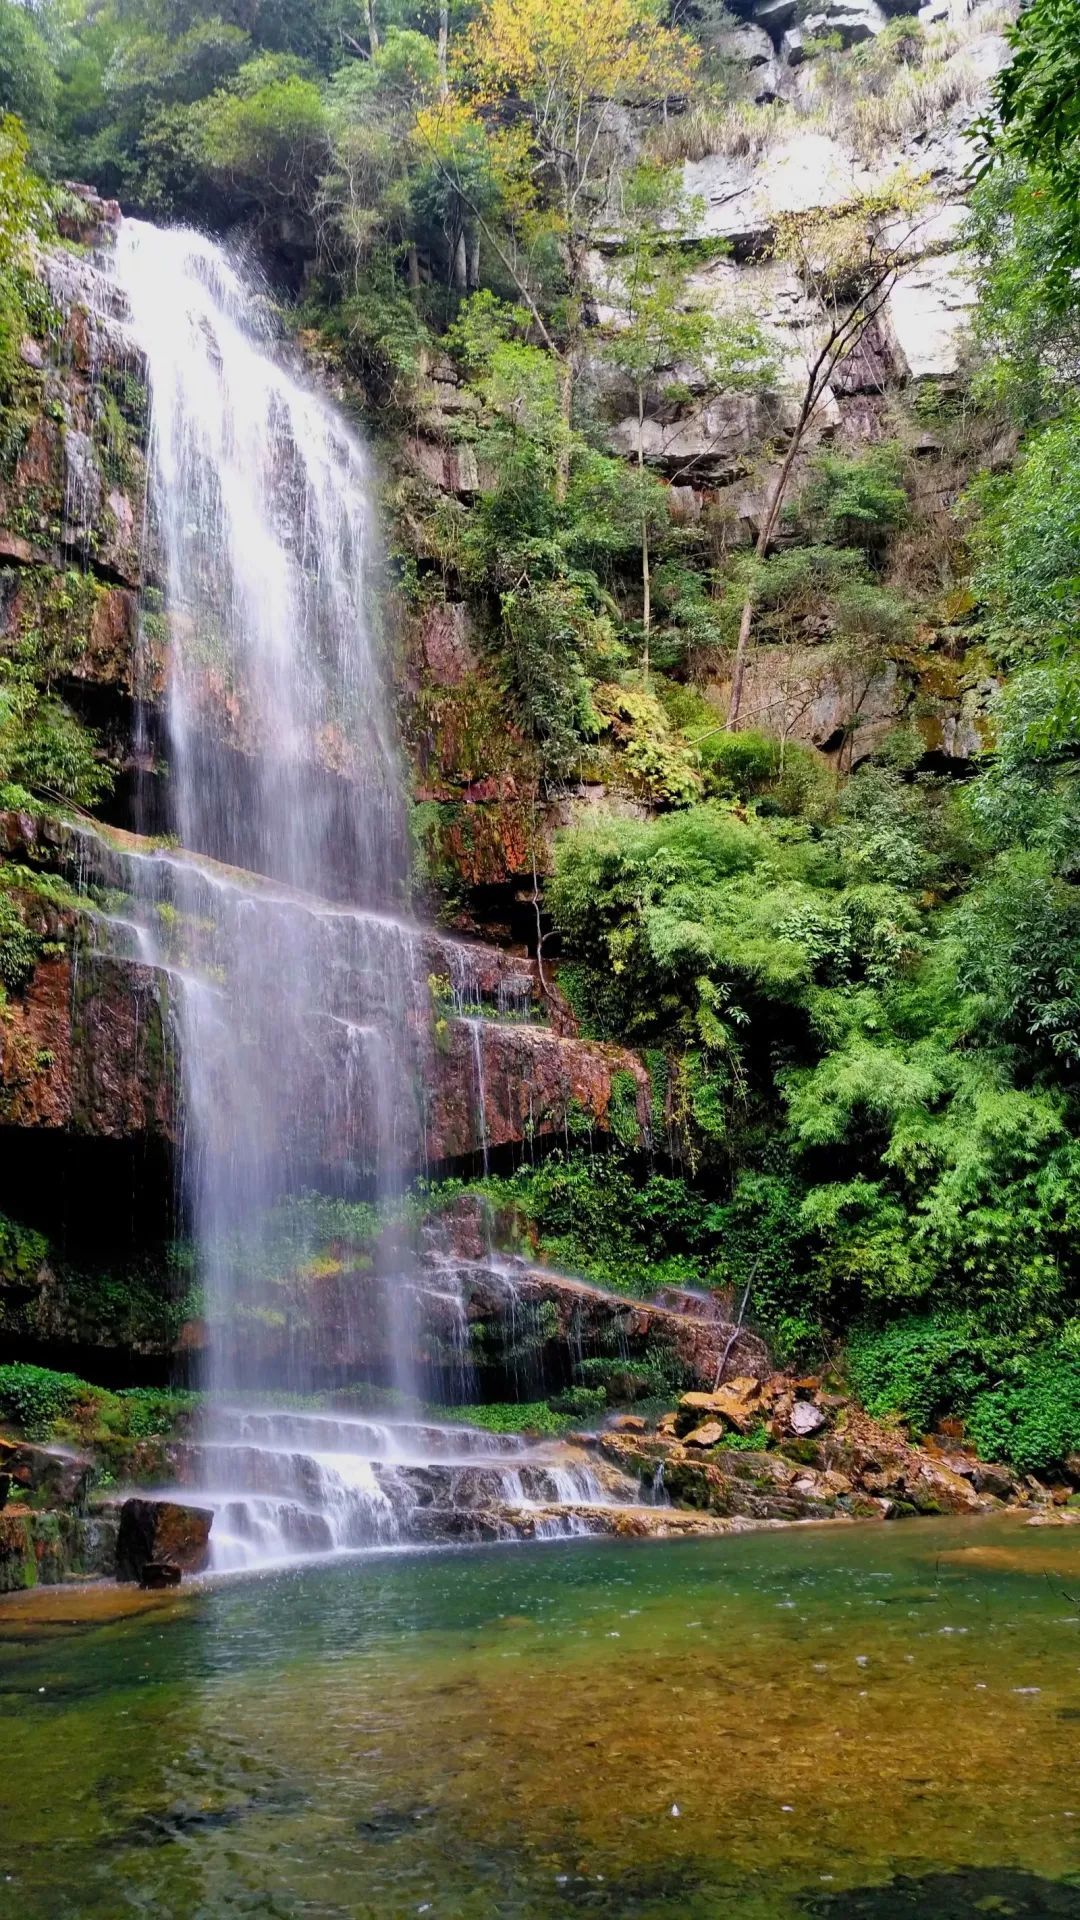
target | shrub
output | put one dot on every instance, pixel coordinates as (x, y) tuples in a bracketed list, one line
[(1019, 1403), (1034, 1422), (738, 765), (20, 946), (659, 1375), (528, 1416), (921, 1367), (22, 1251), (580, 1402), (35, 1397), (857, 500)]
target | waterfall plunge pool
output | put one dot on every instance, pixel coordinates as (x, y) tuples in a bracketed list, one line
[(797, 1725)]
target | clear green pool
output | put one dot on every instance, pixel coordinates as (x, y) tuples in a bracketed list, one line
[(836, 1722)]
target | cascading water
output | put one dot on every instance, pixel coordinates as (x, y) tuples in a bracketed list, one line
[(281, 763), (299, 988)]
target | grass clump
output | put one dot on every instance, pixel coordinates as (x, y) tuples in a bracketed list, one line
[(526, 1417)]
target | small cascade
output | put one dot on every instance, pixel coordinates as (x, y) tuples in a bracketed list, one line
[(284, 1485), (479, 1088)]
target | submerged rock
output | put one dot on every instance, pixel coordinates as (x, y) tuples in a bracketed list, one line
[(157, 1574)]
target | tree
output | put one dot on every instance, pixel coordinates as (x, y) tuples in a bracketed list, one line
[(1037, 96), (565, 67), (1026, 322), (27, 79), (1027, 204), (368, 196), (848, 258), (660, 330), (22, 217), (267, 139)]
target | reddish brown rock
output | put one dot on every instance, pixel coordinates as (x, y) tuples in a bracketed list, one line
[(46, 1476), (87, 1052), (444, 637), (887, 1465), (156, 1533), (535, 1082), (84, 216)]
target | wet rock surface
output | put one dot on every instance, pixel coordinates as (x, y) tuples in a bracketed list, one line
[(45, 1476), (91, 1045), (49, 1548), (160, 1538)]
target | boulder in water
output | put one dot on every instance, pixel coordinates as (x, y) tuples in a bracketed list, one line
[(157, 1574), (159, 1534)]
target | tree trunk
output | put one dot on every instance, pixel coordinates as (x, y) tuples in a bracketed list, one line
[(459, 271), (372, 29), (413, 259), (761, 548), (566, 412), (646, 577), (646, 591), (473, 273), (738, 671), (444, 42)]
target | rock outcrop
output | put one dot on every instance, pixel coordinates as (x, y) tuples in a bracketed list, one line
[(819, 1457), (160, 1540), (89, 1046), (42, 1477), (46, 1548)]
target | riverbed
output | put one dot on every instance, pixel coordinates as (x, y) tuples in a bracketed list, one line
[(796, 1725)]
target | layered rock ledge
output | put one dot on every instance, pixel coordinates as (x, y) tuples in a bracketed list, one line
[(91, 1044)]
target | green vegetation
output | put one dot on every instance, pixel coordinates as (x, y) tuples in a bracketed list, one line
[(1022, 1406), (60, 1406), (530, 1417)]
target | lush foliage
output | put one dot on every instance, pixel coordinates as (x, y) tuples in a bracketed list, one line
[(48, 1405), (1021, 1405)]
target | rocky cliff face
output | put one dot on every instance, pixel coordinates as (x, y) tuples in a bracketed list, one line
[(855, 100)]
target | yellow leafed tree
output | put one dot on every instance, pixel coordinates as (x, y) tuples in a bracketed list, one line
[(566, 67)]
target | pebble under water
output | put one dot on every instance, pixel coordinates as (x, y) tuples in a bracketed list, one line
[(837, 1723)]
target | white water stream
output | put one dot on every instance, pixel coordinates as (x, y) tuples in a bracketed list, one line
[(299, 987)]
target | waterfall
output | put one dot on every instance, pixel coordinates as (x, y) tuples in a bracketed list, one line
[(275, 924), (295, 1020)]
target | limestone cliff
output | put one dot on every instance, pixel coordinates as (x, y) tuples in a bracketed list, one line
[(825, 108)]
